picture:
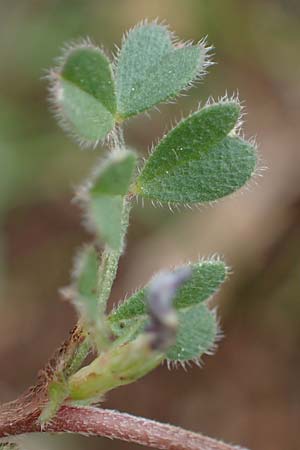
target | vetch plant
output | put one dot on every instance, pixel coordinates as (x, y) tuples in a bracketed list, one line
[(202, 159)]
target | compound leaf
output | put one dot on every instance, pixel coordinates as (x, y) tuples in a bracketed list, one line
[(206, 278), (84, 93), (197, 161), (151, 69), (197, 328)]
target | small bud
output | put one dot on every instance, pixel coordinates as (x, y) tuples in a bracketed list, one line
[(161, 293)]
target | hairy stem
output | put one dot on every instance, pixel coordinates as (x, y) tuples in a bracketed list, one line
[(66, 361), (19, 418), (107, 274), (118, 366)]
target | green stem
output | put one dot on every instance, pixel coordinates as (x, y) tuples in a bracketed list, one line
[(119, 366), (78, 357), (106, 276), (118, 141)]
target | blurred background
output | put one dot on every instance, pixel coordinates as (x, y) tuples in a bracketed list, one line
[(249, 391)]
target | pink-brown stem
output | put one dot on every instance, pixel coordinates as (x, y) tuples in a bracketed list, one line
[(21, 416)]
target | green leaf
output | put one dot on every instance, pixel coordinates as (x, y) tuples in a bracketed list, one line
[(85, 294), (106, 198), (196, 334), (118, 366), (151, 69), (197, 161), (84, 93), (57, 392), (197, 325), (206, 278), (85, 284)]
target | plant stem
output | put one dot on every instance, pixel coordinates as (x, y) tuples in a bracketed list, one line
[(106, 276), (118, 366), (66, 361), (70, 356), (17, 418)]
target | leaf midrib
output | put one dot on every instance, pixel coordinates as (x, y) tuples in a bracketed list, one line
[(183, 162)]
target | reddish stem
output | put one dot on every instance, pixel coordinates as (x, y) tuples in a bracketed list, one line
[(21, 416)]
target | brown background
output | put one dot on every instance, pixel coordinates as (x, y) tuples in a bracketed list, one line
[(249, 392)]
